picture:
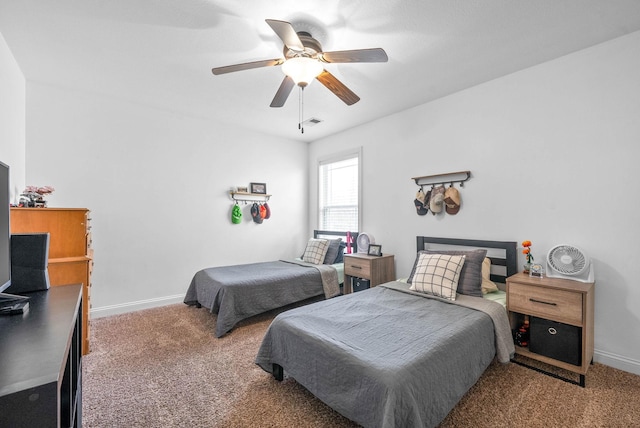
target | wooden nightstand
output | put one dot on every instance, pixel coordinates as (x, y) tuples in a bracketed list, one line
[(377, 269), (561, 314)]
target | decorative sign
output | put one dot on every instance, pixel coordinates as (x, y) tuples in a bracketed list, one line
[(537, 271)]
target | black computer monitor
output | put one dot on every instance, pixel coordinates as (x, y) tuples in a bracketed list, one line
[(8, 302)]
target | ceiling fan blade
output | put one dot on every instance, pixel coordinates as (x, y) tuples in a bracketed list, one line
[(338, 88), (285, 31), (283, 92), (247, 66), (358, 55)]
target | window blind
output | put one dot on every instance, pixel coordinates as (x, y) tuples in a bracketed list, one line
[(338, 194)]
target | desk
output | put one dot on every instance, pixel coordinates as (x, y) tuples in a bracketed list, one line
[(41, 361)]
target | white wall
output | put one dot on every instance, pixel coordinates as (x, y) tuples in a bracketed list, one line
[(157, 184), (12, 119), (553, 151)]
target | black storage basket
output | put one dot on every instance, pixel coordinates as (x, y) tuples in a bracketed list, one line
[(360, 284), (556, 340)]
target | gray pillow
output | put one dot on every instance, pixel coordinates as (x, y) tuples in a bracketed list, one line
[(332, 252), (340, 257), (470, 282)]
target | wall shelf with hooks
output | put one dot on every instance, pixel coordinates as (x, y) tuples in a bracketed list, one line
[(447, 178), (249, 197)]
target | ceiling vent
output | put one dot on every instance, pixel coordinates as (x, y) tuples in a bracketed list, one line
[(311, 122)]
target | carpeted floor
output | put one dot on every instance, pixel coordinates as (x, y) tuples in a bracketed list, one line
[(163, 367)]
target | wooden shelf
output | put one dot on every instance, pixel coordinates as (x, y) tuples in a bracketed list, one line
[(249, 197), (449, 177)]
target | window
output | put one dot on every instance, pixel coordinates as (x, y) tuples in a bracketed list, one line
[(339, 193)]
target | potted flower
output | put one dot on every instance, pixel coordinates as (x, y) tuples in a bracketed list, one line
[(33, 196), (529, 257)]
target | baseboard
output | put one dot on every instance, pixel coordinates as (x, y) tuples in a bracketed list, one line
[(617, 361), (105, 311)]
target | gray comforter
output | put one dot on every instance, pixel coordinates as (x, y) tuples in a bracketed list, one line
[(239, 292), (385, 357)]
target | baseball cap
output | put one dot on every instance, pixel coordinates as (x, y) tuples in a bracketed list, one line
[(420, 207), (452, 200), (255, 213), (435, 202), (236, 214)]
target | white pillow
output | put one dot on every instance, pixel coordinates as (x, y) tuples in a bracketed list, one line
[(488, 286), (315, 251), (437, 274)]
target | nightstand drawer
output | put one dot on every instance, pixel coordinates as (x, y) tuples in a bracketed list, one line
[(355, 266), (559, 305)]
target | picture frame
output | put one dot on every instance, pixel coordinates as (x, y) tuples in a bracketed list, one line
[(536, 271), (375, 250), (260, 188)]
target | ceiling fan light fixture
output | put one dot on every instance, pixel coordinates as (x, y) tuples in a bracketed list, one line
[(302, 69)]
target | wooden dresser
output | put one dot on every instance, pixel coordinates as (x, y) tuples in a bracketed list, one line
[(70, 252)]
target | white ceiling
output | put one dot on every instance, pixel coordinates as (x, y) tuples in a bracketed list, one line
[(160, 52)]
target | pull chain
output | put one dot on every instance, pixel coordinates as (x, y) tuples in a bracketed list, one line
[(301, 109)]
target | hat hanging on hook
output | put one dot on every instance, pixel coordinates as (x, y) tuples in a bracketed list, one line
[(452, 200), (255, 213), (236, 214)]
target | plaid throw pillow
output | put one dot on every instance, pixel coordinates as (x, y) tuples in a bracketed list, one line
[(316, 251), (471, 274), (437, 274)]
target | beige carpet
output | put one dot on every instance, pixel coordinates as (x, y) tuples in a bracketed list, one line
[(163, 367)]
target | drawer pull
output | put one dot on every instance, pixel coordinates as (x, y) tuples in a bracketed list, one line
[(356, 267), (543, 302)]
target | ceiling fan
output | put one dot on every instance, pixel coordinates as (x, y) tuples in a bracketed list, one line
[(303, 61)]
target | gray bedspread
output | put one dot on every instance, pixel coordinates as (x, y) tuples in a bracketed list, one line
[(242, 291), (505, 348), (385, 357)]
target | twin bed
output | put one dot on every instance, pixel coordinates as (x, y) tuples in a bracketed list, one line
[(399, 354), (239, 292), (391, 356)]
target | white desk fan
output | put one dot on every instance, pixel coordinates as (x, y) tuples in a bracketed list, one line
[(569, 262), (364, 240)]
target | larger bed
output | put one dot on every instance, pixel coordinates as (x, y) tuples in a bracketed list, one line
[(239, 292), (390, 356)]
